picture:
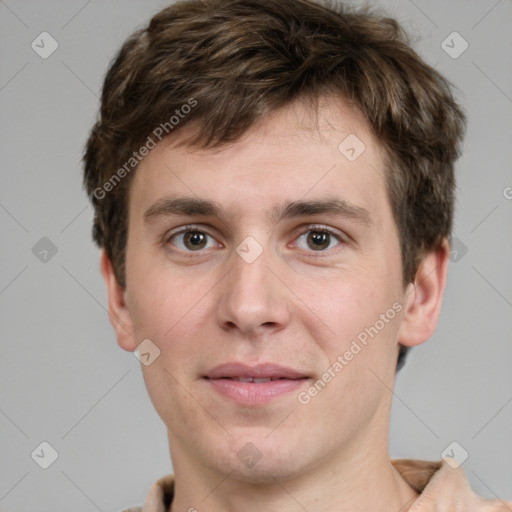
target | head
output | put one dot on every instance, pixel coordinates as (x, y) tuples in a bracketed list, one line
[(261, 118)]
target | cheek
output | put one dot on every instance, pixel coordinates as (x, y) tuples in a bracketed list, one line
[(359, 346), (347, 304), (171, 315), (169, 396), (349, 312), (161, 301)]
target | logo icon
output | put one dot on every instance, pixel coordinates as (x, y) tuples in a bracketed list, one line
[(454, 45), (44, 455), (249, 455), (146, 352), (454, 455), (44, 45), (44, 250), (249, 250), (458, 250), (351, 147)]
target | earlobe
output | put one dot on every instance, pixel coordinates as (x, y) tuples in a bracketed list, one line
[(118, 311), (424, 298)]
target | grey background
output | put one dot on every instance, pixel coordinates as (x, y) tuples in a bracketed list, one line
[(64, 380)]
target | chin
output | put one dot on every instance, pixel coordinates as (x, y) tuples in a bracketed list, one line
[(264, 472), (261, 460)]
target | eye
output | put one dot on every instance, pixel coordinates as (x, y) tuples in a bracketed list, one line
[(318, 239), (191, 239)]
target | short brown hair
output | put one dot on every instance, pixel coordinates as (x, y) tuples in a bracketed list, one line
[(232, 62)]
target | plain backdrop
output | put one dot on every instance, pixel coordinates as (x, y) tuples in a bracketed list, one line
[(65, 381)]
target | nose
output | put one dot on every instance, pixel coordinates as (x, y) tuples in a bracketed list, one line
[(252, 300)]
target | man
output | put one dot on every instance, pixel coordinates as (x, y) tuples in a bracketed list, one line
[(273, 192)]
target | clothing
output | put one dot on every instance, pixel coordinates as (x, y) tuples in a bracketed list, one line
[(441, 488)]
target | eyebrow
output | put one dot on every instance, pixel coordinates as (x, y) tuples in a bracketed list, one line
[(193, 207)]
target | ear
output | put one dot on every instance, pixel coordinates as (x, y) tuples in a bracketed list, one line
[(424, 298), (118, 311)]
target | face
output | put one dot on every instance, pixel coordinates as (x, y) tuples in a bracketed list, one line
[(268, 275)]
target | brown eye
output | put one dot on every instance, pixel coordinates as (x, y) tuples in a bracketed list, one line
[(318, 240), (192, 240)]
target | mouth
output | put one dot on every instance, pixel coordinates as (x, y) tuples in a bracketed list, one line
[(254, 385), (256, 380)]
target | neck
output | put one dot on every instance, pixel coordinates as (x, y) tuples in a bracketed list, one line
[(354, 482)]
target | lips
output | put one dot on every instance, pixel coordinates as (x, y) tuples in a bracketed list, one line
[(254, 385), (245, 373), (252, 379)]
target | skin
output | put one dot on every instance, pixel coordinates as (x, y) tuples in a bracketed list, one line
[(295, 305)]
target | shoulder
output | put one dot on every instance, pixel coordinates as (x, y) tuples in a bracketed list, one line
[(158, 498), (444, 486)]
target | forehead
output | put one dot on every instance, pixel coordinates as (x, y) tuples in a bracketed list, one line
[(295, 152)]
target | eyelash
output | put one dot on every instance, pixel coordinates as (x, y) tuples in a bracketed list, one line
[(297, 235)]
